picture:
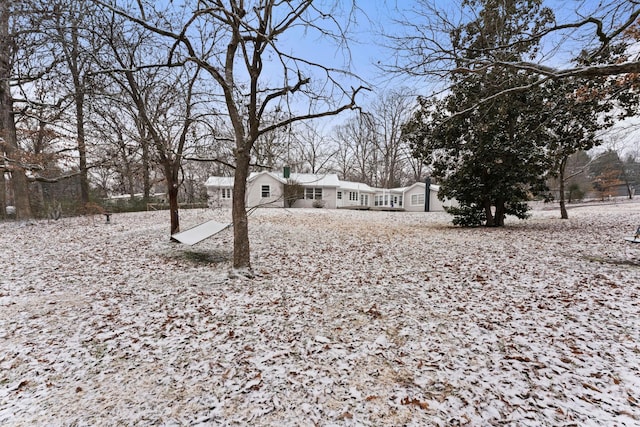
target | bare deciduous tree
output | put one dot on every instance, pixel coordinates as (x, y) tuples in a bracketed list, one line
[(72, 33), (344, 163), (120, 146), (161, 100), (389, 113), (312, 150), (358, 134), (234, 42), (11, 153), (426, 48)]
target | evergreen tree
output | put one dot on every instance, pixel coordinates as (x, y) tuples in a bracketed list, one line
[(486, 143)]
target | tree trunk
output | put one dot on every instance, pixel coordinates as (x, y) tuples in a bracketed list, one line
[(18, 179), (563, 208), (130, 179), (73, 59), (173, 206), (241, 249), (171, 175), (146, 171), (499, 216), (626, 181), (489, 220), (3, 193), (38, 200), (82, 147)]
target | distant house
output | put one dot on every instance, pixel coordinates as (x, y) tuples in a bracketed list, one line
[(317, 188), (354, 194), (219, 189), (326, 190)]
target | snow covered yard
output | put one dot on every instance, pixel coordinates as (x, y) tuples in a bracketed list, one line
[(356, 318)]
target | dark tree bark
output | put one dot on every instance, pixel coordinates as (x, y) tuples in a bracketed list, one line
[(146, 170), (173, 186), (490, 220), (241, 248), (563, 207), (500, 213), (18, 181), (79, 96), (3, 192)]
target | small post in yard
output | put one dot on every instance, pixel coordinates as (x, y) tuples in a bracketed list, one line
[(108, 216), (427, 194)]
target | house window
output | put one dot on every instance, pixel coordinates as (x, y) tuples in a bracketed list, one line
[(266, 191), (226, 193), (339, 195), (313, 193), (400, 201), (364, 200), (417, 199), (353, 196)]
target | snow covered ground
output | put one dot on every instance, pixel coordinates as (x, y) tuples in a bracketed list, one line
[(355, 318)]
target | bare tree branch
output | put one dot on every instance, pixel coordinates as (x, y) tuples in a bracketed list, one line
[(210, 159), (349, 106), (557, 73)]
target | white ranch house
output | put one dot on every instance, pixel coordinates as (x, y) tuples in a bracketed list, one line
[(267, 189)]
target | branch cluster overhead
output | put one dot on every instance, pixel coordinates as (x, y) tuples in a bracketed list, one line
[(431, 45)]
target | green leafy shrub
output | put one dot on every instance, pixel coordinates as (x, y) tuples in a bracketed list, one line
[(467, 216)]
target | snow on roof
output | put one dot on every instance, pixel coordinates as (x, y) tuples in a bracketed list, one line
[(306, 179), (318, 180), (254, 175), (219, 181), (356, 186), (389, 190), (432, 187)]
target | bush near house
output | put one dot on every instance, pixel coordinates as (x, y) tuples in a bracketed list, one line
[(293, 191)]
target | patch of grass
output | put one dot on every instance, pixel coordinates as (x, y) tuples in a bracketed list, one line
[(629, 262), (206, 257)]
